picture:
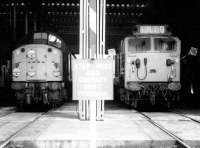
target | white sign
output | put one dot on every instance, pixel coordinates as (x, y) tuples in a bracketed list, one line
[(92, 79)]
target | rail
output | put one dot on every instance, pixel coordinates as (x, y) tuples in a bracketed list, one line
[(179, 141), (6, 142)]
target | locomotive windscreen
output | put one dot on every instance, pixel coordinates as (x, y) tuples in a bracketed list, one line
[(139, 44), (165, 44), (47, 38)]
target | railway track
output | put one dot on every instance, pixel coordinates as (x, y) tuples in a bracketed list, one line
[(6, 142), (157, 120), (179, 142), (190, 118)]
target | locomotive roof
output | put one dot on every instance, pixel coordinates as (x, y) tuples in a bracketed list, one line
[(43, 38)]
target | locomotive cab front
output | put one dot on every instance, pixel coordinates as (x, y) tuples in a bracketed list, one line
[(151, 63), (38, 70)]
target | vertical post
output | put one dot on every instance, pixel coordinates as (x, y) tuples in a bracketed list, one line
[(93, 28), (14, 23), (26, 22), (93, 123), (10, 18), (84, 51), (35, 23), (92, 45)]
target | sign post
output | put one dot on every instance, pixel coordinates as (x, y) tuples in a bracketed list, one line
[(93, 81), (90, 75), (92, 45)]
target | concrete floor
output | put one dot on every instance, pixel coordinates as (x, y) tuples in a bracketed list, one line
[(184, 128), (121, 128)]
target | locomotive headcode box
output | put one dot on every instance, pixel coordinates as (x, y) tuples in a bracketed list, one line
[(92, 79)]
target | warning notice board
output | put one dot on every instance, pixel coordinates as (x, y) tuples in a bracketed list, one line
[(92, 79)]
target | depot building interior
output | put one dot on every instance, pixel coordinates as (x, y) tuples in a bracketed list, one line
[(99, 73), (22, 17)]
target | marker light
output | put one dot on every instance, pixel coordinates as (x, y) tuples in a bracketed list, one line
[(56, 73), (31, 54), (31, 73), (16, 72)]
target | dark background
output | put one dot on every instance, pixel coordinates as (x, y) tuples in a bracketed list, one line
[(62, 17)]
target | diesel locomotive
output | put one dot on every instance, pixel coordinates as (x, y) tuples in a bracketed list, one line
[(148, 66), (38, 70)]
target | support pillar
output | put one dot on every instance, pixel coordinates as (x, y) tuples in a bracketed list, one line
[(14, 23), (92, 46), (26, 21)]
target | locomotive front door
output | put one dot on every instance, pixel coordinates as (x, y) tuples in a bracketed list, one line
[(36, 64), (41, 64), (31, 73)]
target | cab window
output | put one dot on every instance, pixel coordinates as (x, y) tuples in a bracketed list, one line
[(139, 44), (165, 44)]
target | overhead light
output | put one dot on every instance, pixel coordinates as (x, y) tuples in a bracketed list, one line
[(142, 5), (122, 5), (127, 5)]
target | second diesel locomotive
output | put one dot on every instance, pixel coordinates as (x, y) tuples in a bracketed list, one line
[(37, 70), (149, 67)]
